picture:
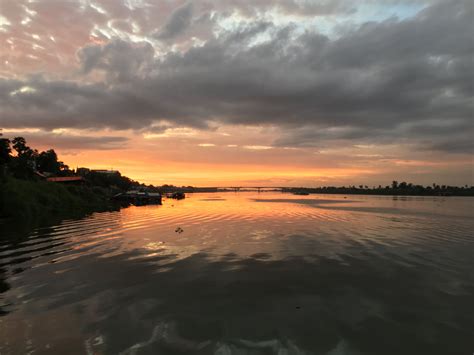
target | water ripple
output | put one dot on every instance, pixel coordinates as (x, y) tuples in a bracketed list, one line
[(211, 263)]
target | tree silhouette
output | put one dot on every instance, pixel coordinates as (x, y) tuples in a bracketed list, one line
[(5, 156), (403, 188), (22, 150), (5, 150), (24, 163), (48, 162)]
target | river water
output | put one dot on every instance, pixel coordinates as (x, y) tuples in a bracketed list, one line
[(245, 273)]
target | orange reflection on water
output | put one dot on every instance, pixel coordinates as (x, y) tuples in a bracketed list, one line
[(273, 224)]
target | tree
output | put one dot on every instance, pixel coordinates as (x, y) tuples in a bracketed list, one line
[(5, 150), (48, 162), (394, 184), (19, 144), (24, 164), (5, 157)]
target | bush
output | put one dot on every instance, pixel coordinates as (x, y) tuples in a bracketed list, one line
[(26, 200)]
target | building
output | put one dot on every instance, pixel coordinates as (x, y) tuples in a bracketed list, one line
[(67, 179), (82, 171)]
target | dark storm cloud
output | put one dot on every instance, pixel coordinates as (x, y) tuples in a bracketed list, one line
[(448, 135), (454, 146), (311, 136), (177, 23), (69, 141), (121, 61), (367, 84)]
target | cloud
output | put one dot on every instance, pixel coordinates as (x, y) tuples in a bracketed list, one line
[(33, 31), (178, 22), (465, 146), (366, 84), (290, 7), (257, 147), (70, 141), (120, 61)]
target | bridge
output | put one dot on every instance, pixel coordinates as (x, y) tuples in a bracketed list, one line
[(251, 188)]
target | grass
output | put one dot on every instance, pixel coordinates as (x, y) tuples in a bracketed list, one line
[(33, 200)]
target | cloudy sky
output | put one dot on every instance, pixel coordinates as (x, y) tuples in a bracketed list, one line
[(226, 92)]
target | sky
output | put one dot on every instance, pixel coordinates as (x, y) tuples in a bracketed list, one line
[(245, 93)]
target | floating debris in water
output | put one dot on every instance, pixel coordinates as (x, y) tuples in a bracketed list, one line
[(179, 230), (94, 345)]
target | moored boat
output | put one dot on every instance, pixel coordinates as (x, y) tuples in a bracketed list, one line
[(176, 195), (139, 198)]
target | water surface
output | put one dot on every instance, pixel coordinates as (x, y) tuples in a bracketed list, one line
[(245, 273)]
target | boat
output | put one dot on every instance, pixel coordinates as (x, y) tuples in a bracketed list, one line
[(176, 195), (139, 198), (301, 193)]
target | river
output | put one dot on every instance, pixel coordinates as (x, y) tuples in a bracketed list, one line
[(245, 273)]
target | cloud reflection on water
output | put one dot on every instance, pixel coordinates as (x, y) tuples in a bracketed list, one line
[(243, 280)]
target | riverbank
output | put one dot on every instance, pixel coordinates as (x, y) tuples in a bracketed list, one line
[(31, 201)]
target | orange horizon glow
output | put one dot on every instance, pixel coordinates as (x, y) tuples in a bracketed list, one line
[(221, 158), (213, 159), (204, 175)]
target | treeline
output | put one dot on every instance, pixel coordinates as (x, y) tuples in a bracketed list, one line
[(27, 162), (25, 192), (396, 188), (18, 160)]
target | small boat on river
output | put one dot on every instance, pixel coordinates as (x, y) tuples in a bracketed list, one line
[(176, 195), (139, 198)]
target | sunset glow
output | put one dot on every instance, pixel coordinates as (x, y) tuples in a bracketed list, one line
[(219, 93)]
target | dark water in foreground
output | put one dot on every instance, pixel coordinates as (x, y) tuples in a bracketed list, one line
[(245, 273)]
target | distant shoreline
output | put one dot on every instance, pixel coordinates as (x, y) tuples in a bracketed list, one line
[(388, 192), (446, 192), (334, 193)]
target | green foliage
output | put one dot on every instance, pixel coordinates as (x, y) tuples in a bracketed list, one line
[(5, 156), (5, 151), (25, 200), (48, 161), (117, 181), (24, 164), (27, 160), (19, 144), (25, 196)]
